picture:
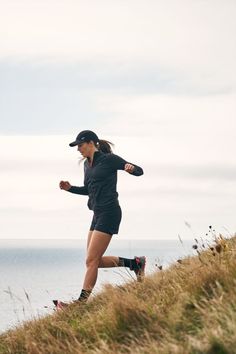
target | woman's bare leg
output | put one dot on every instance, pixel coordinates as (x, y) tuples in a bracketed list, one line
[(97, 246), (105, 261), (89, 238)]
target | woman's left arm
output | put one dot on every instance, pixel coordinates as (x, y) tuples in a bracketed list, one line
[(118, 163)]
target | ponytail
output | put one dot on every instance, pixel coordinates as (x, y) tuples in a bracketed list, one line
[(104, 146)]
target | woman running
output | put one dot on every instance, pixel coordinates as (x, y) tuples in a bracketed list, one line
[(100, 179)]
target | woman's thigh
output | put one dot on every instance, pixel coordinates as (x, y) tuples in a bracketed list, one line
[(98, 244), (89, 239)]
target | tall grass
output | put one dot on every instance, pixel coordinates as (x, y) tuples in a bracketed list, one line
[(188, 308)]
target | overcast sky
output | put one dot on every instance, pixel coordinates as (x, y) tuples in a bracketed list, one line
[(156, 78)]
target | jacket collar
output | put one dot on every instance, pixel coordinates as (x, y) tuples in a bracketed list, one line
[(95, 156)]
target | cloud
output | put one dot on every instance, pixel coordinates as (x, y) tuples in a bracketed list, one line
[(156, 78), (65, 65), (173, 130), (181, 39), (208, 172)]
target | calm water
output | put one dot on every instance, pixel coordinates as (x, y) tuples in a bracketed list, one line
[(35, 272)]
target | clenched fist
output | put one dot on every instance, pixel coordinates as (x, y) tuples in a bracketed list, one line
[(129, 168), (64, 185)]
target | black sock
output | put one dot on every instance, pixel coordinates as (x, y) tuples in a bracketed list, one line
[(127, 262), (84, 295)]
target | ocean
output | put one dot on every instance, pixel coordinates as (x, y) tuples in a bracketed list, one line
[(33, 272)]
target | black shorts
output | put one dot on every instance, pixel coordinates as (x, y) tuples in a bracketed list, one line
[(107, 221)]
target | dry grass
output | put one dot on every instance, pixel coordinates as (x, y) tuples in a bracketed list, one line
[(188, 308)]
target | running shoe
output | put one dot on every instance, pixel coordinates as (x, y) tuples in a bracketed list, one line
[(141, 263), (60, 305)]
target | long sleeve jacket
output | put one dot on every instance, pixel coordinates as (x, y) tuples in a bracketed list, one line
[(100, 180)]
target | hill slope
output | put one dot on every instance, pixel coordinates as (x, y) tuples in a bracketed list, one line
[(188, 308)]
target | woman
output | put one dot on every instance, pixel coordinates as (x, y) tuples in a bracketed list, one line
[(100, 179)]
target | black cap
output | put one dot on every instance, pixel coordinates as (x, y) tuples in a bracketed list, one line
[(85, 135)]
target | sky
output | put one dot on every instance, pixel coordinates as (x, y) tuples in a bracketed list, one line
[(156, 78)]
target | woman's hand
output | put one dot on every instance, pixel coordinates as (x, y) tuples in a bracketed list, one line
[(129, 168), (64, 185)]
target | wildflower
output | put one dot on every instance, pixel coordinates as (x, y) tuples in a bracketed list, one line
[(160, 267), (194, 247), (179, 261), (218, 248)]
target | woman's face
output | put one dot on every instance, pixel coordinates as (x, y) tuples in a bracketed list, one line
[(86, 149)]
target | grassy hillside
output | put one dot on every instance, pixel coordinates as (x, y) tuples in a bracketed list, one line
[(188, 308)]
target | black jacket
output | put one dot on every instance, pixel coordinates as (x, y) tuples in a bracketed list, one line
[(100, 180)]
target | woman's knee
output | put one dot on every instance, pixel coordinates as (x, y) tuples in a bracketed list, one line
[(92, 261)]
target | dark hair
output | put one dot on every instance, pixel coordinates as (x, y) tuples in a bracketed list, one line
[(104, 146)]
